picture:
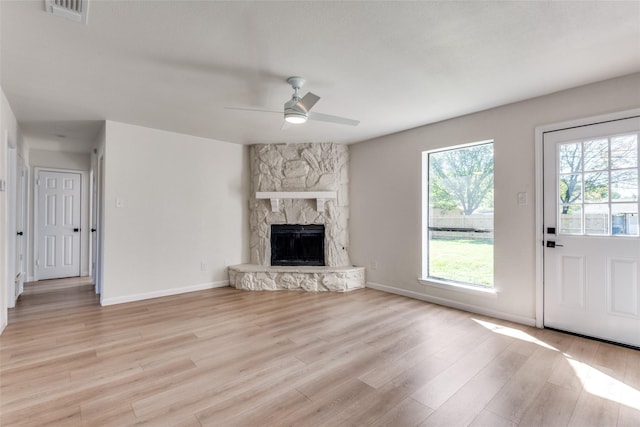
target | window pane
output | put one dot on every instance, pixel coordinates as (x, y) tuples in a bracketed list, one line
[(624, 151), (460, 223), (596, 187), (624, 185), (570, 190), (596, 155), (570, 157), (461, 259), (571, 219), (624, 219), (596, 219)]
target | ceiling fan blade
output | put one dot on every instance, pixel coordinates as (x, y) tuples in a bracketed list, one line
[(333, 119), (260, 110), (307, 101)]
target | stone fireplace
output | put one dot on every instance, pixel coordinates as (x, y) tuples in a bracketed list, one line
[(299, 185)]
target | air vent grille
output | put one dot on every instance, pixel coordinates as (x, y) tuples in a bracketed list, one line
[(75, 10)]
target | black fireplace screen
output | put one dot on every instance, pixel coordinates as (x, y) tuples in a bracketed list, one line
[(297, 244)]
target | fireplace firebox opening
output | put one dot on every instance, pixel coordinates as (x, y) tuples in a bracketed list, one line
[(295, 245)]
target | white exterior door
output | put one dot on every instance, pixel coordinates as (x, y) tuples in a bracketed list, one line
[(58, 225), (592, 241)]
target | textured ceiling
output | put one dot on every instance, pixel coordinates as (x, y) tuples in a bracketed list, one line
[(175, 65)]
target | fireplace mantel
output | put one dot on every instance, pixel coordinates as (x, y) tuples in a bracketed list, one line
[(276, 196)]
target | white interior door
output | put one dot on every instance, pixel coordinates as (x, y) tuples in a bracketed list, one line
[(21, 222), (592, 241), (58, 219)]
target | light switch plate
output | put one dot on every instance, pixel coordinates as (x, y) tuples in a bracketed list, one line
[(522, 198)]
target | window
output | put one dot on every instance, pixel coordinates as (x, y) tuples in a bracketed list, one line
[(598, 186), (458, 215)]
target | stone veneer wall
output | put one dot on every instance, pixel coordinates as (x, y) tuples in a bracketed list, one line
[(300, 167)]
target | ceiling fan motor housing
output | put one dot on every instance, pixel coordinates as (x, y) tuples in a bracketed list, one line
[(293, 113)]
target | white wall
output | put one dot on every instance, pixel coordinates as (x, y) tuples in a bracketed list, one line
[(59, 159), (184, 202), (386, 194), (8, 126)]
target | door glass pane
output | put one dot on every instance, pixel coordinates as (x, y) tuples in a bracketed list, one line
[(595, 178), (570, 157), (596, 219), (596, 155), (596, 187), (624, 151), (624, 185), (570, 190), (624, 218), (570, 219)]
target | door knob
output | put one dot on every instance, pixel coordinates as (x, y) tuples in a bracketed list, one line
[(75, 230), (19, 233), (93, 230), (553, 244)]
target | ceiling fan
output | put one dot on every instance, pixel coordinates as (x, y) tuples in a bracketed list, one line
[(296, 110)]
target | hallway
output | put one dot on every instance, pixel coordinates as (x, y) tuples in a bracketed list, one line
[(53, 299)]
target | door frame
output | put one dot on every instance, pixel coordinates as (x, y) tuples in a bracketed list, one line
[(10, 273), (95, 219), (83, 182), (539, 192)]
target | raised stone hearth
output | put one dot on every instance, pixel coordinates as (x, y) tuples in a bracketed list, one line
[(251, 277)]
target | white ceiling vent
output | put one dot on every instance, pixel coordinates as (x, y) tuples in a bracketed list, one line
[(75, 10)]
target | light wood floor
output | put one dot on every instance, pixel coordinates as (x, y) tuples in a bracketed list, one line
[(224, 357)]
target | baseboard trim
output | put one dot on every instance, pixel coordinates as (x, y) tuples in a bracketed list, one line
[(455, 304), (163, 293)]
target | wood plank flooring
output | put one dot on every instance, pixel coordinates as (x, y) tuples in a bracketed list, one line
[(225, 357)]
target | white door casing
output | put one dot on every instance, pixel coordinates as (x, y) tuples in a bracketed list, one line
[(12, 160), (591, 236), (94, 228), (58, 224), (99, 239)]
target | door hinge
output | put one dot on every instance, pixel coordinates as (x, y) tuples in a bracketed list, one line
[(38, 262), (38, 182)]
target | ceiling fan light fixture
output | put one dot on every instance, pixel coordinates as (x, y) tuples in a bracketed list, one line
[(295, 118)]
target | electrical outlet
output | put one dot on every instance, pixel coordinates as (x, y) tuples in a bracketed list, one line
[(374, 265), (204, 266)]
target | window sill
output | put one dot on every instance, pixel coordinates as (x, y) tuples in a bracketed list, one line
[(459, 287)]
